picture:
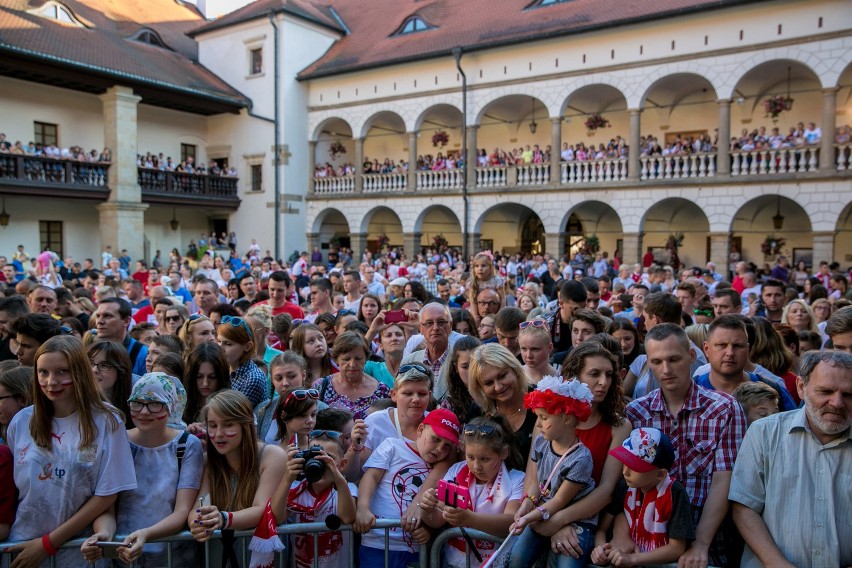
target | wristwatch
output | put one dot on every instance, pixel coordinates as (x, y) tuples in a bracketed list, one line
[(545, 514)]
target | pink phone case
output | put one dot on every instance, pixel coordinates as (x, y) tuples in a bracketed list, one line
[(453, 494)]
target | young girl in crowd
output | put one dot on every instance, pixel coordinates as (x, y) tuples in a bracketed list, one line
[(452, 389), (295, 416), (206, 372), (495, 489), (309, 341), (463, 323), (325, 323), (369, 308), (72, 457), (288, 371), (625, 332), (197, 329), (559, 471), (168, 465), (484, 276), (536, 349), (241, 473), (174, 319), (113, 372), (237, 342), (15, 394)]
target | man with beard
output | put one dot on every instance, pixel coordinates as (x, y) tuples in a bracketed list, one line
[(796, 465)]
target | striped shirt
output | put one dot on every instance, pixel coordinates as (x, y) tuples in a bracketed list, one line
[(706, 434), (800, 487)]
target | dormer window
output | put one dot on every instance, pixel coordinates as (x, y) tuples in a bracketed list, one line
[(58, 12), (542, 3), (150, 37), (412, 25)]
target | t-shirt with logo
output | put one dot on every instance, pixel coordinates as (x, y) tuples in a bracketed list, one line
[(306, 506)]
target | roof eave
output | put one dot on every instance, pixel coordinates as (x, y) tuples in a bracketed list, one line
[(422, 56), (215, 26)]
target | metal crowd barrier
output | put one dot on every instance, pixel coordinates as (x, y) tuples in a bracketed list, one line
[(283, 530), (435, 560)]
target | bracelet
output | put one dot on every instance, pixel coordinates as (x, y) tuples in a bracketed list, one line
[(48, 546), (531, 498), (230, 519), (357, 451), (224, 516)]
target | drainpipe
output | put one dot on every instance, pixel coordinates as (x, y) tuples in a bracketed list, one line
[(277, 158), (457, 55)]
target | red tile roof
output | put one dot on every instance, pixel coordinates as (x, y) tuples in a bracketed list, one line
[(313, 12), (475, 24), (103, 47)]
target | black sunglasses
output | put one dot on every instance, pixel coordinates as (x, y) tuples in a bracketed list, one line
[(412, 366), (483, 431)]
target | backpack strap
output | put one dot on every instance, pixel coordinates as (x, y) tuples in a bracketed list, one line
[(180, 450), (135, 348), (324, 386)]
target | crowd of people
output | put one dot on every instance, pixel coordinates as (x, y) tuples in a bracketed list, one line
[(53, 151), (560, 401), (165, 163)]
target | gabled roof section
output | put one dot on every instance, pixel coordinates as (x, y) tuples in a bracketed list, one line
[(475, 25), (103, 52), (321, 15)]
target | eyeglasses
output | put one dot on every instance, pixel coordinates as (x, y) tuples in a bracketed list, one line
[(487, 303), (153, 407), (433, 323), (483, 431), (333, 434), (302, 394), (236, 322), (412, 367), (172, 318), (102, 366), (346, 313), (534, 323)]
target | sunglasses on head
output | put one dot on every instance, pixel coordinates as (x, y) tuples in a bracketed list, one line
[(346, 313), (534, 323), (412, 367), (236, 322), (302, 394), (333, 434), (483, 431), (195, 317)]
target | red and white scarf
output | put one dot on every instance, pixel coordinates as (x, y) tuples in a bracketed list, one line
[(648, 518)]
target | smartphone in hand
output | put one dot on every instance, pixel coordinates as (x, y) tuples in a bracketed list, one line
[(395, 316), (453, 494)]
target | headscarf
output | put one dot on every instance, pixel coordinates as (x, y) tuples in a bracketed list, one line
[(160, 387)]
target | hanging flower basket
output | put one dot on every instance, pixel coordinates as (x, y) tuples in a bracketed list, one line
[(674, 242), (383, 241), (440, 138), (592, 245), (596, 121), (776, 105), (772, 245), (336, 149), (440, 242)]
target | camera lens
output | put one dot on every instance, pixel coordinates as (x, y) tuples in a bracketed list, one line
[(314, 470)]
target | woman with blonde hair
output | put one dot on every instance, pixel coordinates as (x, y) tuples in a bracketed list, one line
[(799, 315)]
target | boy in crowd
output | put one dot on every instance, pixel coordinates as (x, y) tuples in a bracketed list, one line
[(653, 519), (393, 474), (758, 400)]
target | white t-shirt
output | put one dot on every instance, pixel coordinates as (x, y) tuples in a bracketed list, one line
[(380, 427), (488, 498), (54, 484), (307, 507), (353, 305), (158, 481), (405, 472)]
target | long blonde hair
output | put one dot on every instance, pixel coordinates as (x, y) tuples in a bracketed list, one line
[(233, 406), (496, 356), (87, 396)]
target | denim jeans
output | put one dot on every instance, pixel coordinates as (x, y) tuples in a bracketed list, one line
[(530, 546)]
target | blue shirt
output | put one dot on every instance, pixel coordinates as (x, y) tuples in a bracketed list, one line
[(251, 381), (785, 403)]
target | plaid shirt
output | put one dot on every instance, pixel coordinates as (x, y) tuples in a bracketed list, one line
[(706, 434), (251, 381)]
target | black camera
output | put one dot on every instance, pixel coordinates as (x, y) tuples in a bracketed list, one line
[(313, 469)]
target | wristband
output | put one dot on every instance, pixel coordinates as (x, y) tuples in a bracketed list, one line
[(48, 547), (230, 519), (224, 517), (532, 499)]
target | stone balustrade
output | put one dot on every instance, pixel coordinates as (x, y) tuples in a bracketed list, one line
[(844, 156), (594, 171), (334, 185), (428, 180), (698, 165), (779, 161), (378, 183)]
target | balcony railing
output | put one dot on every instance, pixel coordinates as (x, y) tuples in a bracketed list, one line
[(844, 156), (780, 161), (438, 180), (42, 172), (594, 171), (181, 187), (334, 185), (378, 183), (492, 176), (678, 167)]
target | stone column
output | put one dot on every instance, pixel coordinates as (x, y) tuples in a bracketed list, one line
[(472, 151), (359, 165), (122, 216), (554, 244), (823, 246), (473, 242), (720, 246), (312, 163), (411, 244), (829, 121), (632, 252), (358, 244), (555, 151), (412, 161), (723, 140), (313, 241), (633, 151)]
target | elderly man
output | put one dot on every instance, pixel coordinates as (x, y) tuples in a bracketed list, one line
[(796, 466), (706, 429), (436, 334)]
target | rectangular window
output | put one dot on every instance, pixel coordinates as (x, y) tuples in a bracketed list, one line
[(256, 61), (256, 178), (45, 133), (50, 235), (187, 151)]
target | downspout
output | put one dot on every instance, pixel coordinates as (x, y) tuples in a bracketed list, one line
[(277, 158), (457, 54)]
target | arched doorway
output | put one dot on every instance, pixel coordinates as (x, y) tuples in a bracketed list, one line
[(681, 219), (438, 224), (511, 228), (592, 220), (771, 216), (333, 230), (383, 229)]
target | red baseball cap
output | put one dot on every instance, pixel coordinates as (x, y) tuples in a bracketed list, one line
[(445, 424)]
